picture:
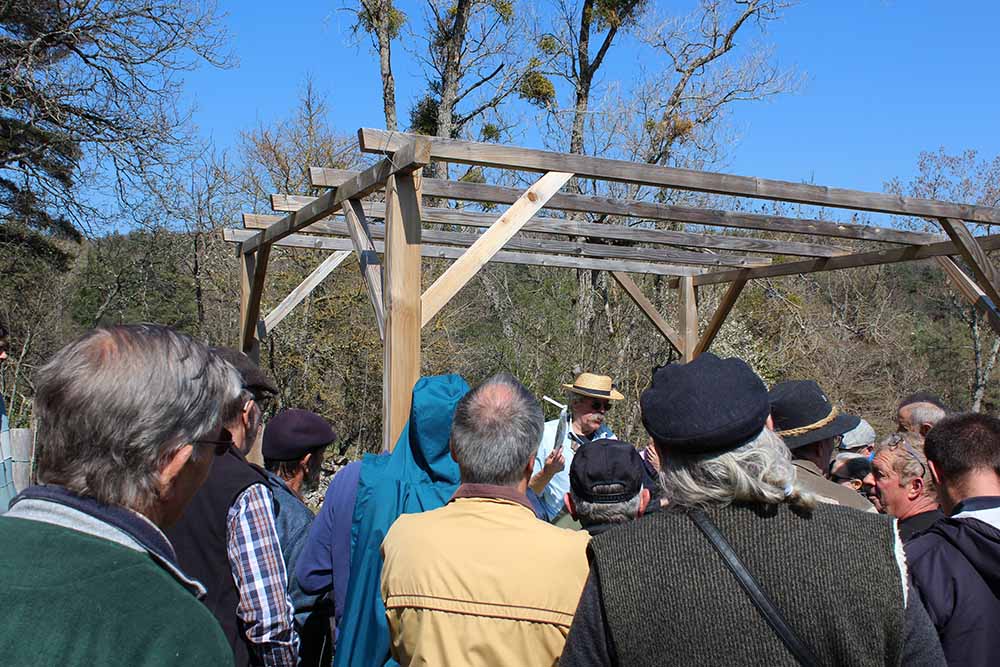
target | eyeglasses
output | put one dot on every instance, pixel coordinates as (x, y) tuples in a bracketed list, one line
[(898, 440), (221, 446), (598, 404)]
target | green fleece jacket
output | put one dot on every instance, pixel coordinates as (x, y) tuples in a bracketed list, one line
[(69, 598)]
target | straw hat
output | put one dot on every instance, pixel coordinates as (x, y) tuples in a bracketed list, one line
[(594, 386)]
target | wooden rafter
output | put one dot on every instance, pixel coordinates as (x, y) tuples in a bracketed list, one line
[(986, 274), (572, 248), (503, 257), (484, 193), (510, 157), (971, 292)]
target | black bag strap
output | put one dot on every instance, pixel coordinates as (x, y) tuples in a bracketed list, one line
[(760, 599)]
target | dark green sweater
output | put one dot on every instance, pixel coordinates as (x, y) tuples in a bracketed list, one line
[(69, 598)]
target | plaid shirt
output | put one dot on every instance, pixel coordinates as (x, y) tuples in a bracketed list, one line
[(259, 573)]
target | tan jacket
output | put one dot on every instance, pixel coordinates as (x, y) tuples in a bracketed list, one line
[(811, 479), (480, 581)]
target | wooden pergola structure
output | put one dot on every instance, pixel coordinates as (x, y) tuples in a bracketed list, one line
[(340, 220)]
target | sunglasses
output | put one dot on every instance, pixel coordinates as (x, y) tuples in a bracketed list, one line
[(900, 441), (221, 446), (598, 404)]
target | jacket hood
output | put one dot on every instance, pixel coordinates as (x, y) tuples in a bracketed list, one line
[(978, 541), (428, 432)]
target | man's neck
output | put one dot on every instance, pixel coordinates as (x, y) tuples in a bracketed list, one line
[(918, 506), (973, 485), (579, 430)]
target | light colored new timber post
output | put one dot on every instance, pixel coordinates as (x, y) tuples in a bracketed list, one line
[(401, 368), (689, 317), (247, 341)]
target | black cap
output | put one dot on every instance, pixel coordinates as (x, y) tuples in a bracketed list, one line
[(254, 379), (293, 433), (606, 462), (803, 414), (705, 406)]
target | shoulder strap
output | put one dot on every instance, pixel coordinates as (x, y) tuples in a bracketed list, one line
[(760, 599)]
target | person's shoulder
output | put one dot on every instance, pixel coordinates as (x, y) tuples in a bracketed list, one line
[(414, 525)]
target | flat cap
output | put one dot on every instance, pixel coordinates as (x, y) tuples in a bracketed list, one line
[(606, 471), (709, 405), (254, 379), (293, 433)]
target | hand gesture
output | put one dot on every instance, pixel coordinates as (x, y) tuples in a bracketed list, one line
[(554, 462)]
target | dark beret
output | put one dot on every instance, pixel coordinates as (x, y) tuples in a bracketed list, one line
[(291, 434), (254, 379), (708, 405)]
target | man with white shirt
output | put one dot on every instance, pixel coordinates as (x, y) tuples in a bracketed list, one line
[(956, 562), (582, 421)]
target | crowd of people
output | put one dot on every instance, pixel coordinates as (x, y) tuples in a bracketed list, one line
[(755, 526)]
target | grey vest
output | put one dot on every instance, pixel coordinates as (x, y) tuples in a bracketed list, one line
[(669, 599)]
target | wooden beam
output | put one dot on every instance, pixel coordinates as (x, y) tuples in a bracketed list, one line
[(481, 192), (368, 261), (509, 157), (982, 268), (401, 366), (893, 256), (719, 318), (502, 257), (479, 253), (689, 317), (971, 292), (304, 289), (410, 157), (649, 310), (597, 250), (254, 269)]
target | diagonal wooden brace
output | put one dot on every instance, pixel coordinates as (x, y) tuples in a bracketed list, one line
[(492, 240), (371, 267)]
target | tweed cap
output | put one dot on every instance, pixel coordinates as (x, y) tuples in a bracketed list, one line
[(293, 433), (709, 405), (254, 379), (612, 464)]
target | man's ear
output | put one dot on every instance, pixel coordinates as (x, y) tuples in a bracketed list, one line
[(248, 414), (856, 484), (914, 488), (925, 429), (643, 501), (173, 468), (568, 500), (769, 423), (305, 461)]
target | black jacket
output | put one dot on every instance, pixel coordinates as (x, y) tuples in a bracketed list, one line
[(955, 564)]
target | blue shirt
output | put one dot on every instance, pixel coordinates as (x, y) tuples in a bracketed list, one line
[(7, 490), (558, 486)]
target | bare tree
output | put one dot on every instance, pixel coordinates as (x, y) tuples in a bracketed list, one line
[(382, 21), (92, 83)]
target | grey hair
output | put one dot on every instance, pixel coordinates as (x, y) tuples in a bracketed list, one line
[(925, 413), (907, 467), (115, 404), (594, 514), (760, 471), (496, 431)]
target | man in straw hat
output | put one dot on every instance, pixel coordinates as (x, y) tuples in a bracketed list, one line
[(582, 421), (812, 428)]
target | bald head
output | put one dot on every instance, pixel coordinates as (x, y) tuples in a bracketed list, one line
[(496, 432)]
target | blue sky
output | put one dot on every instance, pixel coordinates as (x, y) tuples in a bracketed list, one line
[(883, 80)]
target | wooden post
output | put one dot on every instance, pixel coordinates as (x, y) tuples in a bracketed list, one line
[(401, 368), (22, 444), (719, 318), (689, 317)]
